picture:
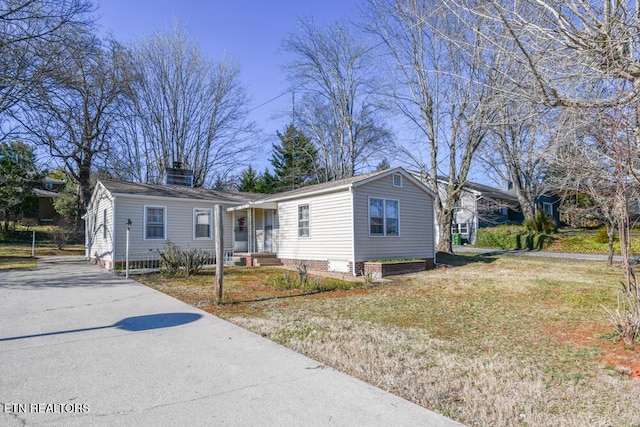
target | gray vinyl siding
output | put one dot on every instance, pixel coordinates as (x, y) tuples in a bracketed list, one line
[(330, 228), (99, 236), (179, 225), (416, 222)]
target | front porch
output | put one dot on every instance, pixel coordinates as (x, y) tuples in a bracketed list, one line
[(255, 231)]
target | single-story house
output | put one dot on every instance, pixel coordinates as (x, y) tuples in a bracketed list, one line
[(482, 206), (333, 226)]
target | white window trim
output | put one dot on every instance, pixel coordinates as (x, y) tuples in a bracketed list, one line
[(144, 215), (455, 228), (544, 208), (195, 223), (393, 180), (308, 205), (384, 217)]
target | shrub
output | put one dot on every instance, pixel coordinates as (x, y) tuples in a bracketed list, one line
[(303, 275), (170, 258), (601, 235), (511, 237), (541, 223), (66, 232), (174, 259)]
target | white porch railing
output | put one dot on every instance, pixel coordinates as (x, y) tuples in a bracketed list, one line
[(149, 261)]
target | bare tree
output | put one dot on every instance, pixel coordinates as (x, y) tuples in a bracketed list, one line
[(585, 55), (445, 91), (339, 108), (72, 111), (599, 158), (30, 31), (516, 152), (186, 108), (575, 53)]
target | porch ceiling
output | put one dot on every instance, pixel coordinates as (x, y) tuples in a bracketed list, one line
[(259, 205)]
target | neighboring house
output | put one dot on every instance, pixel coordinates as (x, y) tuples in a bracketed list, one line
[(483, 206), (334, 226)]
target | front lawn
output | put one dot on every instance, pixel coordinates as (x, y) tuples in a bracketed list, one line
[(18, 255), (490, 341)]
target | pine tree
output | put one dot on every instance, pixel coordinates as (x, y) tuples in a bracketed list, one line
[(383, 165), (294, 160), (266, 183), (249, 181)]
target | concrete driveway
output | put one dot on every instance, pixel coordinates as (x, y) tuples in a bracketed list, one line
[(80, 346)]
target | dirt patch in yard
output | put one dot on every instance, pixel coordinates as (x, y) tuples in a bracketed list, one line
[(614, 353)]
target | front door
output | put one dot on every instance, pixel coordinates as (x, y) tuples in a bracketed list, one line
[(268, 230), (241, 232)]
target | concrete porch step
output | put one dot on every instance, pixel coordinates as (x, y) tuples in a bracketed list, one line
[(266, 261)]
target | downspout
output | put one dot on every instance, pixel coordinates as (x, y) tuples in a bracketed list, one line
[(353, 232), (113, 234)]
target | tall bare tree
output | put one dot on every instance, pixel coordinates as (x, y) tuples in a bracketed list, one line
[(516, 152), (585, 55), (444, 90), (339, 108), (72, 111), (30, 31), (186, 108)]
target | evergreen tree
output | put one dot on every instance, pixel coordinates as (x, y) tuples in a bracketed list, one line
[(249, 181), (383, 165), (294, 160), (266, 183)]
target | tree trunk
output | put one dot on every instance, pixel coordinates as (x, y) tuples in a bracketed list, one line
[(445, 220), (611, 233)]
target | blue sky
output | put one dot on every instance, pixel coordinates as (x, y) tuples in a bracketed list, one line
[(248, 31)]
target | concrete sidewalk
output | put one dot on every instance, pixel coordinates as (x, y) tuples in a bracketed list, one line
[(80, 346)]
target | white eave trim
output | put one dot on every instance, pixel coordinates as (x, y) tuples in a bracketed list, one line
[(185, 199), (259, 205)]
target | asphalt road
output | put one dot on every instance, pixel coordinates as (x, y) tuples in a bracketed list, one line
[(80, 346), (539, 254)]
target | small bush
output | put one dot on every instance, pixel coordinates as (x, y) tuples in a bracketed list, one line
[(303, 274), (601, 235), (66, 232), (174, 259), (541, 223), (170, 258)]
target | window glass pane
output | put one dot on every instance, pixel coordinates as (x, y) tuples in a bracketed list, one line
[(155, 223), (303, 221), (376, 216), (375, 208), (391, 213), (203, 223), (391, 209)]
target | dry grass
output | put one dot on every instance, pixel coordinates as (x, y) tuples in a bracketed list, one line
[(18, 255), (492, 341), (241, 285)]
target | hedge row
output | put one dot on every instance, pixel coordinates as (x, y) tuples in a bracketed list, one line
[(510, 237)]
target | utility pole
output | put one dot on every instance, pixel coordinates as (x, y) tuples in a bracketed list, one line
[(219, 253)]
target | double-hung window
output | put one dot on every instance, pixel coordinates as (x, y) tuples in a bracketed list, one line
[(384, 217), (460, 228), (155, 222), (303, 220), (202, 223)]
